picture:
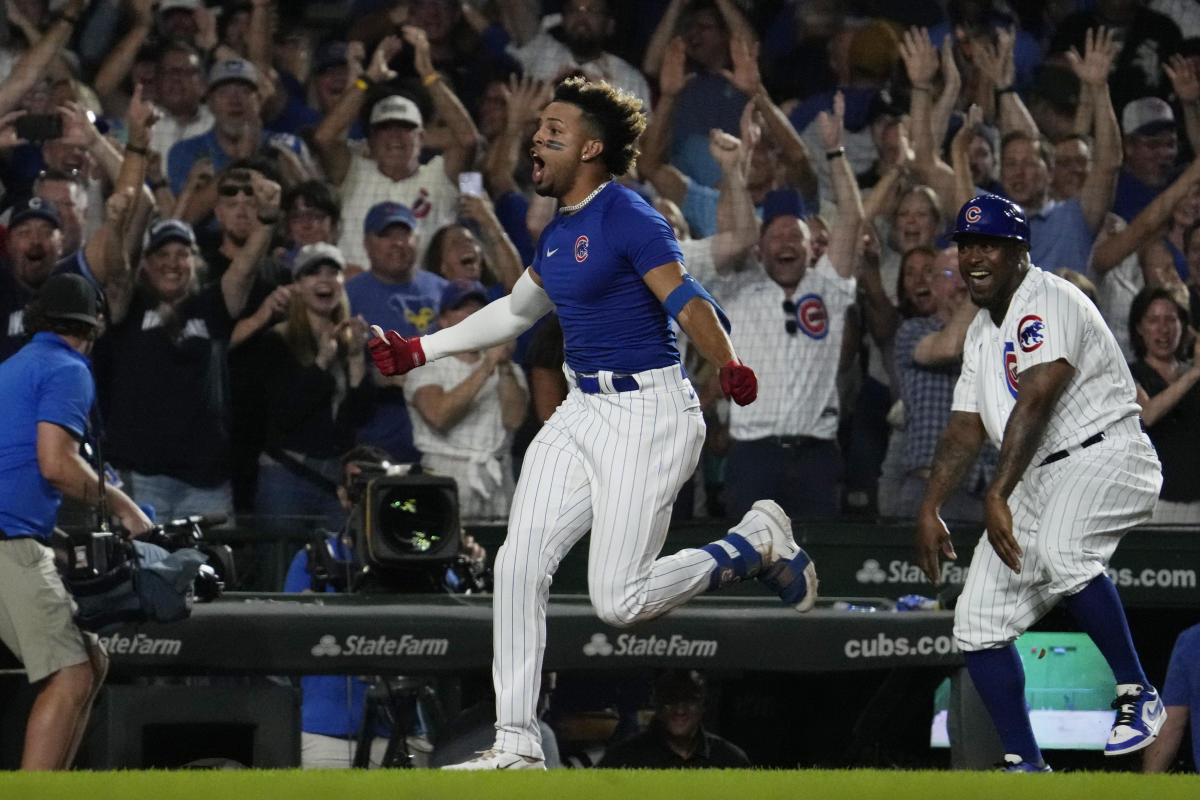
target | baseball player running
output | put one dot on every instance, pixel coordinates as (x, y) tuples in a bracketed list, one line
[(1044, 379), (616, 452)]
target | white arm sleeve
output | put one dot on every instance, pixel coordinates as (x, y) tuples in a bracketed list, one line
[(499, 321)]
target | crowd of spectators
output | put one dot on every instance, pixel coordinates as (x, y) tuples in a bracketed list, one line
[(252, 183)]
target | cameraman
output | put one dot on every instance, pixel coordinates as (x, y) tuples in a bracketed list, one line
[(331, 715), (48, 391)]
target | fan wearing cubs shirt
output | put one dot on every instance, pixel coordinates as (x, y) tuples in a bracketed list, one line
[(789, 319), (1044, 380), (615, 453)]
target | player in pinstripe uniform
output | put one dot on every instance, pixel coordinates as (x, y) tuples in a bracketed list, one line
[(613, 456), (1044, 380)]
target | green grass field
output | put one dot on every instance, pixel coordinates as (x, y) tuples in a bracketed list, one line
[(593, 785)]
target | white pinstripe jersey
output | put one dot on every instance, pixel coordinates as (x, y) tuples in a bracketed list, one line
[(1048, 319), (797, 373)]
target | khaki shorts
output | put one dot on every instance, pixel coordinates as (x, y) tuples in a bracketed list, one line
[(36, 612)]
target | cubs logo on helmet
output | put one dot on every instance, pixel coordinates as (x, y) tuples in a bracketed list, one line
[(1031, 332), (972, 214), (811, 316), (1010, 368), (581, 249)]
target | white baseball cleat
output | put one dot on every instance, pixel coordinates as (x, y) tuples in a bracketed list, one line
[(498, 759), (788, 571)]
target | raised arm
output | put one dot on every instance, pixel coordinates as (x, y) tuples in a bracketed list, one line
[(995, 62), (795, 153), (657, 47), (519, 18), (1113, 249), (654, 163), (502, 253), (843, 239), (1096, 196), (525, 99), (945, 347), (329, 138), (737, 226), (119, 61), (460, 151), (921, 63), (1156, 407), (33, 63), (239, 278), (964, 187), (1186, 83)]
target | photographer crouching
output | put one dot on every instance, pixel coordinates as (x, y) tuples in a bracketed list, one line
[(332, 713), (49, 391)]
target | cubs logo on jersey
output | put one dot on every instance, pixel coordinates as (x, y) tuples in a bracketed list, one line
[(581, 249), (1010, 368), (1031, 332), (811, 316)]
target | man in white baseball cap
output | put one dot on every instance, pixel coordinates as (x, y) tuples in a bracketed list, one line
[(1151, 142), (389, 169)]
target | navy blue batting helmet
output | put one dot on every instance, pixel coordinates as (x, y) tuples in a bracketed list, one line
[(992, 215)]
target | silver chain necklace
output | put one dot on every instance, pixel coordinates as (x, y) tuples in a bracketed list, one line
[(584, 201)]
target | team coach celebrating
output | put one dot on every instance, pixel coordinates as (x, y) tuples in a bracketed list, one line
[(1044, 380), (48, 393)]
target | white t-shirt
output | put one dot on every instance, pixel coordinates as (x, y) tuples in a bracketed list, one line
[(1048, 319), (797, 373), (428, 192)]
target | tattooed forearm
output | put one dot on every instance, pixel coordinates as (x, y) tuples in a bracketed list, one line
[(956, 451)]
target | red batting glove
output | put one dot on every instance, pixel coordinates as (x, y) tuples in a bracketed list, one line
[(738, 383), (393, 354)]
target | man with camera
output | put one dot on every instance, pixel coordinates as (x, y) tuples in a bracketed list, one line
[(49, 392), (331, 716)]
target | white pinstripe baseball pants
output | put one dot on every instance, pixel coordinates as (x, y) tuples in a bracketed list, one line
[(612, 463), (1068, 518)]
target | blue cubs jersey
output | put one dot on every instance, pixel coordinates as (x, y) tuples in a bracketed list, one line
[(591, 265)]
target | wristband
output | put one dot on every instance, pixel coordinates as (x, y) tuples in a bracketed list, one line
[(830, 155), (156, 185), (1006, 90), (363, 82), (916, 88), (141, 150), (431, 79)]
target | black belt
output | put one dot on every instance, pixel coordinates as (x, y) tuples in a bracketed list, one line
[(1061, 454), (796, 441)]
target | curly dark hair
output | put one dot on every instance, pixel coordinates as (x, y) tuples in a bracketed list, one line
[(615, 117)]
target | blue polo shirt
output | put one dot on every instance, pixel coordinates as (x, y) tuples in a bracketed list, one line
[(1059, 236), (183, 154), (46, 381), (1182, 687)]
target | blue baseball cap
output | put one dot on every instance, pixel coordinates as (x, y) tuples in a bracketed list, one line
[(384, 215), (34, 208), (458, 292), (331, 53), (783, 202), (169, 230)]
